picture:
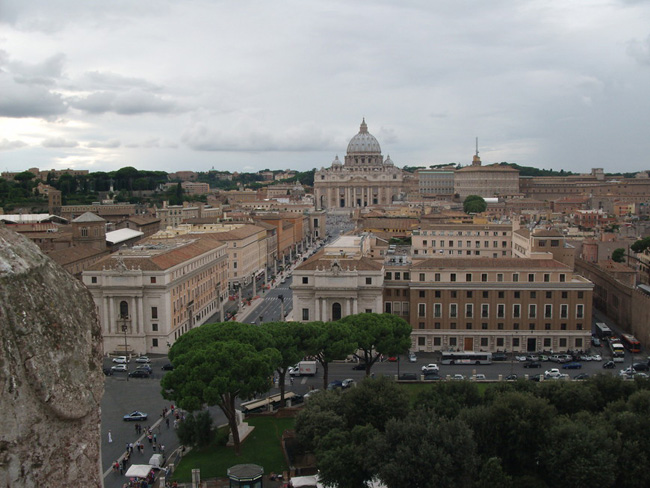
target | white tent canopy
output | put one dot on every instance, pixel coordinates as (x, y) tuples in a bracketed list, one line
[(138, 471)]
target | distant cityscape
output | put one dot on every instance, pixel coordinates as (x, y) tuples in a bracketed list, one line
[(164, 253)]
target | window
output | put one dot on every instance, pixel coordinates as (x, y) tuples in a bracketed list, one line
[(501, 310), (437, 309), (562, 326), (436, 341), (368, 281), (305, 280), (547, 277), (533, 294), (436, 277), (516, 310), (93, 279), (578, 342), (152, 279), (515, 326), (565, 294), (515, 342), (532, 311), (468, 277), (548, 311), (154, 312), (469, 310), (421, 341), (547, 342), (501, 294), (389, 292), (453, 277), (531, 326), (485, 310), (154, 342), (500, 325), (468, 325), (515, 277), (484, 325), (453, 341), (517, 294), (369, 310), (580, 310), (531, 277), (484, 277), (562, 342), (124, 310), (398, 275), (484, 342), (578, 326), (305, 314), (422, 309), (549, 294), (420, 325), (421, 276), (154, 327), (562, 277), (453, 294), (407, 276), (436, 325), (581, 295), (421, 293), (469, 294), (564, 311), (453, 310), (500, 342), (486, 294), (499, 277), (437, 293), (388, 275)]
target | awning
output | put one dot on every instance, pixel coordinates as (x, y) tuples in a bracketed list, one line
[(138, 471)]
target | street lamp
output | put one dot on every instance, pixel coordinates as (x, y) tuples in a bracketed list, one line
[(281, 298), (124, 329)]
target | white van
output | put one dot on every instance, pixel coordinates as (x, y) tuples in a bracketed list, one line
[(120, 360)]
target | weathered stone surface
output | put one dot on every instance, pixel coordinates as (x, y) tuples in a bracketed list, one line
[(51, 379)]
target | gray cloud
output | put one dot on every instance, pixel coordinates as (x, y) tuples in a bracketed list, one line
[(58, 142), (110, 144), (43, 73), (7, 145), (107, 80), (19, 100), (131, 102), (640, 51)]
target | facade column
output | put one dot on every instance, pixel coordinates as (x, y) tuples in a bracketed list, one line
[(111, 315), (133, 312), (355, 306), (140, 323), (106, 325), (324, 310), (317, 309), (347, 307)]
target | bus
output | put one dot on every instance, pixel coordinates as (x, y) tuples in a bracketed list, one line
[(618, 351), (602, 331), (466, 358), (631, 343)]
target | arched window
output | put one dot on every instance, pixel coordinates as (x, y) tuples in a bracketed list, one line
[(124, 309), (336, 311)]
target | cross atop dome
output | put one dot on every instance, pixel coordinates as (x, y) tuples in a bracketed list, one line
[(364, 128)]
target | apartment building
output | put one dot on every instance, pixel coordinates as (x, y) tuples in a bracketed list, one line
[(149, 295), (508, 304), (493, 240)]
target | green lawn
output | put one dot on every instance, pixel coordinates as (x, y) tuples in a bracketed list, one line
[(261, 447)]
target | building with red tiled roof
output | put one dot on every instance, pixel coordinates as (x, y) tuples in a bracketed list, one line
[(149, 295)]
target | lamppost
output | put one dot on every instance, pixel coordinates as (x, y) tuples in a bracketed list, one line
[(281, 298), (125, 328)]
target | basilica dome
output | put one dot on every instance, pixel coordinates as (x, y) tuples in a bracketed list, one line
[(364, 142)]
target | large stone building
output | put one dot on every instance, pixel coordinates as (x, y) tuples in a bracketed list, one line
[(508, 304), (494, 180), (364, 179), (151, 294), (493, 240)]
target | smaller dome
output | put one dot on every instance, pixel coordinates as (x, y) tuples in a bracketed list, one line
[(337, 161), (389, 161)]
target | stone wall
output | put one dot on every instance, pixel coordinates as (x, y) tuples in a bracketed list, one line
[(51, 379)]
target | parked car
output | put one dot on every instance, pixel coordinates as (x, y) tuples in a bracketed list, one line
[(581, 376), (573, 365), (521, 359), (168, 367), (432, 377), (359, 367), (139, 373), (535, 377), (543, 357), (310, 394), (532, 364), (392, 359), (108, 372), (458, 377), (640, 366), (552, 373), (119, 368), (585, 357), (120, 360), (335, 385), (511, 377), (499, 356), (348, 383), (408, 377), (145, 367), (609, 364), (532, 357), (595, 341), (136, 415), (479, 377), (430, 368), (596, 357), (413, 358), (143, 359)]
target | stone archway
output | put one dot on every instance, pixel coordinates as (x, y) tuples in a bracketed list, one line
[(336, 311)]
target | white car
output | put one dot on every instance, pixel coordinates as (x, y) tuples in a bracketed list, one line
[(413, 358), (520, 358), (457, 377), (119, 368), (430, 368), (143, 359), (596, 357), (479, 377), (120, 360), (348, 383), (552, 373), (311, 393)]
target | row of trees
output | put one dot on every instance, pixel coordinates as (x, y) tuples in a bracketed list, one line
[(216, 364), (586, 434)]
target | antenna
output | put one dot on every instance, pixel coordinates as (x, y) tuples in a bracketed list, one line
[(477, 146)]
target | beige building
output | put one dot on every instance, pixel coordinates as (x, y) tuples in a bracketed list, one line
[(493, 240), (364, 179), (494, 180), (436, 181), (519, 305), (174, 215), (338, 281), (151, 294)]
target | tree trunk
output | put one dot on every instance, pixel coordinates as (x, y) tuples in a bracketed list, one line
[(325, 374), (228, 408), (282, 374)]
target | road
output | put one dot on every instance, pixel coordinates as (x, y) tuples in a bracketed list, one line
[(268, 309)]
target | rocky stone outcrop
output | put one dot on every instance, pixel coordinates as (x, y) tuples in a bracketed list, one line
[(51, 379)]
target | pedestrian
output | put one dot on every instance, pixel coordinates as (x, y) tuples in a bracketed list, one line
[(142, 448), (175, 424), (162, 448), (167, 422), (291, 380), (115, 466), (154, 447), (155, 438), (110, 437), (150, 438), (130, 447)]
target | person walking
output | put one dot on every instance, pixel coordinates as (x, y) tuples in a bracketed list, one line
[(110, 437)]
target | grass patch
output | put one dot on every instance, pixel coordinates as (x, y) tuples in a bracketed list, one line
[(261, 447)]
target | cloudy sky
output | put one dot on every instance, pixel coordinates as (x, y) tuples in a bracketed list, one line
[(247, 85)]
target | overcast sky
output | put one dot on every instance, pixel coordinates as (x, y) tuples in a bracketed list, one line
[(245, 85)]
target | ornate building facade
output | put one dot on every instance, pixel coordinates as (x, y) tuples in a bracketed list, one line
[(364, 179)]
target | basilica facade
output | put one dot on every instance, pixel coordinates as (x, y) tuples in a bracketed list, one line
[(363, 179)]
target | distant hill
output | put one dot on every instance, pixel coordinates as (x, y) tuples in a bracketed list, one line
[(530, 171)]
